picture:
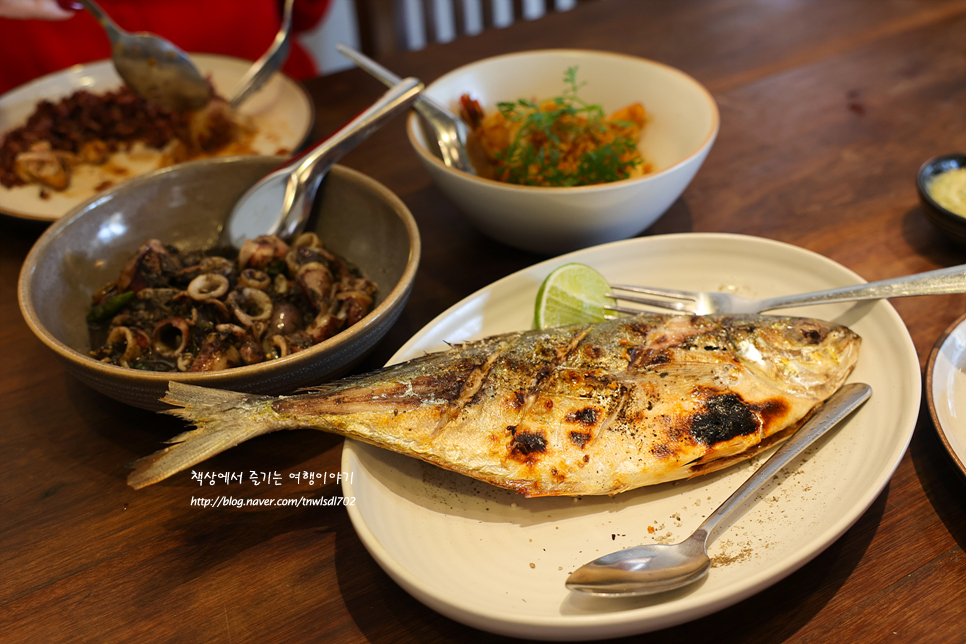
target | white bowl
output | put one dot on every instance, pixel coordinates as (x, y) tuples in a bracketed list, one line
[(682, 125)]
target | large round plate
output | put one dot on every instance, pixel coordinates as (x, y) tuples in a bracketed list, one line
[(946, 390), (281, 112), (497, 561)]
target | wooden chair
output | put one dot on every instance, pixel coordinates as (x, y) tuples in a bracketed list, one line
[(383, 24)]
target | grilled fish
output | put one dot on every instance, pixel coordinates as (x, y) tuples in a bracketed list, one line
[(575, 410)]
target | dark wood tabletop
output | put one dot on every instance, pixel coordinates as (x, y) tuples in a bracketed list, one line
[(828, 108)]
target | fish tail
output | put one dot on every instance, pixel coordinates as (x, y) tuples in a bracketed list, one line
[(222, 419)]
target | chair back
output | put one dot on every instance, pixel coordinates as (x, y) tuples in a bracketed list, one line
[(387, 26)]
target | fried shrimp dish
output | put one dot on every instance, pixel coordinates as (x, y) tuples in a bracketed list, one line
[(563, 141), (192, 311)]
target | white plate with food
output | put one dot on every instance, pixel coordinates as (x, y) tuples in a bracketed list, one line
[(279, 116), (946, 390), (497, 561)]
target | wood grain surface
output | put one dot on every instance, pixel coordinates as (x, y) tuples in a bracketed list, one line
[(828, 108)]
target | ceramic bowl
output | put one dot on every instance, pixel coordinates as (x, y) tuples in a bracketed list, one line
[(358, 219), (946, 221), (682, 126)]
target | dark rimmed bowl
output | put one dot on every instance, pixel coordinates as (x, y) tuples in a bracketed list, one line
[(185, 205), (945, 221)]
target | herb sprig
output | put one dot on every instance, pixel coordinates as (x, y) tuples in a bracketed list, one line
[(549, 130)]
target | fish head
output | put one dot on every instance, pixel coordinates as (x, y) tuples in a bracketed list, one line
[(805, 356)]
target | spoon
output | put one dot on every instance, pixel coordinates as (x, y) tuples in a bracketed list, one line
[(280, 203), (649, 569), (153, 67), (269, 63), (446, 130)]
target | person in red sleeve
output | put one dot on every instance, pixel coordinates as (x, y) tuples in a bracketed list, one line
[(38, 37)]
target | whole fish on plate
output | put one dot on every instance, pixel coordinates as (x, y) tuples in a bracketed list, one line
[(573, 410)]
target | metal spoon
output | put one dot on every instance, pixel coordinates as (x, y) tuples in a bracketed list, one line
[(153, 67), (269, 63), (280, 204), (645, 570), (446, 130)]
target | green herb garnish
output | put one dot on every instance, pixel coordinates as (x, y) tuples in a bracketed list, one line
[(541, 152), (109, 307)]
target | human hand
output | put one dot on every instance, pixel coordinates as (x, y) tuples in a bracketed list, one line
[(37, 9)]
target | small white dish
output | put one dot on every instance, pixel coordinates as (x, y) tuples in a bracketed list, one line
[(497, 561), (682, 125), (281, 112), (946, 391)]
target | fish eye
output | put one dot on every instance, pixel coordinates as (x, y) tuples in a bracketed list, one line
[(811, 332)]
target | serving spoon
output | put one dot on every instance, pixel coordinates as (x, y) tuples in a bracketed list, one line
[(153, 67), (650, 569), (440, 126), (281, 203)]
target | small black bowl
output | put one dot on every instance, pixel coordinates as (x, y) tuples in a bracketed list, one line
[(947, 222)]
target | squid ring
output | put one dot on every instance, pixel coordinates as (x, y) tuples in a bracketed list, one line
[(208, 286), (276, 347), (171, 337), (250, 305), (307, 240), (131, 347), (254, 278)]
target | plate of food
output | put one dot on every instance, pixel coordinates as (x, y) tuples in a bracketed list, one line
[(946, 391), (497, 560), (51, 161)]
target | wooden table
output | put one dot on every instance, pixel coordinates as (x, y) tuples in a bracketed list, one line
[(827, 110)]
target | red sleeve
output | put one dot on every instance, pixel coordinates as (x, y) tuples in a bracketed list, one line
[(306, 14)]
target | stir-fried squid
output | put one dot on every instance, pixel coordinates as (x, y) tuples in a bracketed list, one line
[(190, 311)]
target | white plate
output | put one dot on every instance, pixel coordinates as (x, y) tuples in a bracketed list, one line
[(946, 388), (497, 561), (281, 112)]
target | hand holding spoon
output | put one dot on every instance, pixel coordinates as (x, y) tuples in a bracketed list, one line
[(649, 569)]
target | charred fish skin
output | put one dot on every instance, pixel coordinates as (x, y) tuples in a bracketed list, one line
[(577, 410)]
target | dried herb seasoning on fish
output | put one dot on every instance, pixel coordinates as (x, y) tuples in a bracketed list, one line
[(573, 410), (190, 311)]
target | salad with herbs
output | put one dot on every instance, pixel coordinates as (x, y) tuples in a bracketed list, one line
[(561, 141)]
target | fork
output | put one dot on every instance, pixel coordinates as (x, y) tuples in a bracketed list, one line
[(269, 63), (441, 128), (938, 282)]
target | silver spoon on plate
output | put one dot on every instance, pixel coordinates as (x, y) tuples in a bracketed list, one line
[(445, 130), (650, 569), (281, 203), (153, 67)]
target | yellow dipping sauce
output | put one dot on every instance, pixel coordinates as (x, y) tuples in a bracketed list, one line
[(949, 191)]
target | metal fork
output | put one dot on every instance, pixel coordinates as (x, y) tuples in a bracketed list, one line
[(269, 63), (938, 282), (441, 128)]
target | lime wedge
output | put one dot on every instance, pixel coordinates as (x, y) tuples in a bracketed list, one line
[(571, 294)]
